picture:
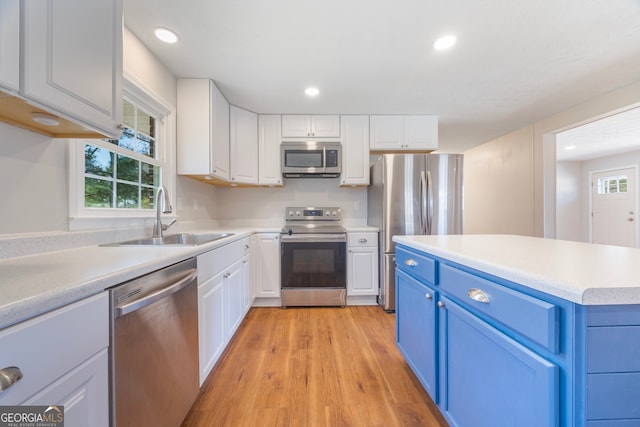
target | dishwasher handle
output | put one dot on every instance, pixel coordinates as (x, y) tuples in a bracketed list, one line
[(158, 295)]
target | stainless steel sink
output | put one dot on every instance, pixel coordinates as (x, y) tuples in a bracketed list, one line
[(181, 239)]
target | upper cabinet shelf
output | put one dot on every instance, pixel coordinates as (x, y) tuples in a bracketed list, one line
[(203, 130), (403, 133), (305, 126), (62, 57)]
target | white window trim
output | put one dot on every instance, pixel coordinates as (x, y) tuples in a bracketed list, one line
[(81, 218)]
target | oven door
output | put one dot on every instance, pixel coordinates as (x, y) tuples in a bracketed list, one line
[(313, 261)]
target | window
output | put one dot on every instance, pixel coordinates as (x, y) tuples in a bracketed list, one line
[(128, 176), (612, 184), (112, 183)]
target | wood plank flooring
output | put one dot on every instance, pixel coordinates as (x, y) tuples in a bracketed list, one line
[(307, 367)]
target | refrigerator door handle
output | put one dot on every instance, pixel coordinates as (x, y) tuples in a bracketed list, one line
[(430, 202), (423, 203)]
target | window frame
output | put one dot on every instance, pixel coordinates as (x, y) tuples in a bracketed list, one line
[(81, 217)]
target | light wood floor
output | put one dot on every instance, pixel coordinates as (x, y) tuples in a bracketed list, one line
[(306, 367)]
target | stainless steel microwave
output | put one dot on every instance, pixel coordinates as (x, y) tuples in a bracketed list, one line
[(311, 159)]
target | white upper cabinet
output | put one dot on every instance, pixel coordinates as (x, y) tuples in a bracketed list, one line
[(355, 150), (72, 60), (203, 129), (404, 133), (10, 45), (303, 126), (269, 139), (243, 146)]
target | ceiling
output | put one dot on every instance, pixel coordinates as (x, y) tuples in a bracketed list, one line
[(514, 61), (619, 133)]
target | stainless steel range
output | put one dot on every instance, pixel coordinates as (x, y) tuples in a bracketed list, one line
[(313, 261)]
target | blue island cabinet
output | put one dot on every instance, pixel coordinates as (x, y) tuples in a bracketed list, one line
[(489, 352), (612, 366), (416, 329), (488, 379)]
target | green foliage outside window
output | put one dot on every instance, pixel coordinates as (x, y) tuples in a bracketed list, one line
[(121, 181)]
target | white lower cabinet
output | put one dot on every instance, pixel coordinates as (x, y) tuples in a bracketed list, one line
[(362, 264), (266, 265), (82, 392), (223, 289), (63, 361)]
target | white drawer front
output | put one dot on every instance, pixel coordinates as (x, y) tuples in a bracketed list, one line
[(48, 346), (362, 239), (213, 262)]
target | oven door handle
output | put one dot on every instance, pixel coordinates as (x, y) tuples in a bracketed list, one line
[(313, 238)]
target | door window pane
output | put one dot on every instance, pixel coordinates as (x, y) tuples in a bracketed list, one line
[(612, 184)]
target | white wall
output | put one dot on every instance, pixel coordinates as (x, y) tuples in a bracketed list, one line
[(535, 176), (33, 168), (570, 206), (267, 204), (498, 178), (33, 184)]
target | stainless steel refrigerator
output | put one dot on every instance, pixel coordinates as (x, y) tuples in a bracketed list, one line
[(412, 194)]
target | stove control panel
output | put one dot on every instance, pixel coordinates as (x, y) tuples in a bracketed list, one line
[(312, 214)]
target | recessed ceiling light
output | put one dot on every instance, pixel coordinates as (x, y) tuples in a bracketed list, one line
[(166, 35), (45, 119), (311, 91), (444, 43), (570, 147)]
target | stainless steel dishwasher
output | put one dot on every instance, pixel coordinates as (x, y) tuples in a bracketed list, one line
[(154, 347)]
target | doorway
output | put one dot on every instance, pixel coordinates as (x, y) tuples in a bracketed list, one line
[(596, 172), (613, 207)]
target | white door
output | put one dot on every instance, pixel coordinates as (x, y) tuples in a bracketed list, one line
[(613, 201)]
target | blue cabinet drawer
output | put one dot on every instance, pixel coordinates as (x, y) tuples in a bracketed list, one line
[(609, 349), (613, 423), (416, 264), (533, 318), (613, 396)]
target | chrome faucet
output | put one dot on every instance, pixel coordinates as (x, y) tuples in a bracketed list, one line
[(162, 199)]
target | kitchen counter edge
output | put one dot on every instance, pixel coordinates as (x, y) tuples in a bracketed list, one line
[(586, 274), (34, 285)]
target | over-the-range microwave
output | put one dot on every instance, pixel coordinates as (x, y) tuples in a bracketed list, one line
[(311, 159)]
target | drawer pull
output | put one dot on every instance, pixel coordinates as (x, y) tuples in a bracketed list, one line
[(363, 240), (477, 295), (9, 376), (411, 262), (428, 296)]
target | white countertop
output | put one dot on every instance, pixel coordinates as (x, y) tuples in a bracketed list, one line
[(32, 285), (584, 273)]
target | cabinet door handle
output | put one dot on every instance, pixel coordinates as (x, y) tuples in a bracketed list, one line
[(363, 240), (440, 304), (411, 262), (477, 295), (428, 296), (9, 376)]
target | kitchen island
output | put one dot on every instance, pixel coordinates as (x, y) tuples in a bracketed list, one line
[(513, 330)]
